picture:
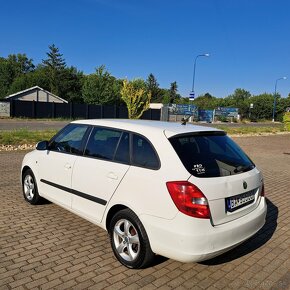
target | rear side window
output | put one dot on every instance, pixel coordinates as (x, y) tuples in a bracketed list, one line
[(211, 154), (123, 152), (103, 143), (143, 153), (69, 140)]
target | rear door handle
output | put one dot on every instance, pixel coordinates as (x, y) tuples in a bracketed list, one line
[(67, 166), (112, 175)]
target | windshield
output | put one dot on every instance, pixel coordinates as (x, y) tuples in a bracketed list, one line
[(210, 154)]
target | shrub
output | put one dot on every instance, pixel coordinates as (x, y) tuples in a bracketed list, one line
[(286, 121)]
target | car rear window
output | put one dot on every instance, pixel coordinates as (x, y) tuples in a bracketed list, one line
[(210, 154), (143, 154)]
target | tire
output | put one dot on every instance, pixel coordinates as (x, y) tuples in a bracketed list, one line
[(129, 240), (29, 188)]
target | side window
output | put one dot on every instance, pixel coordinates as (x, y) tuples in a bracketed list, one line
[(143, 153), (102, 143), (70, 139), (123, 152)]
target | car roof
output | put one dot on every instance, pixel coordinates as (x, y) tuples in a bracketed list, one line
[(147, 127)]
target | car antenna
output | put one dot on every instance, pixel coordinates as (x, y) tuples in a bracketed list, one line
[(184, 120)]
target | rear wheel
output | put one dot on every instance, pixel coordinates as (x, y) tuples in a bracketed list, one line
[(29, 186), (129, 240)]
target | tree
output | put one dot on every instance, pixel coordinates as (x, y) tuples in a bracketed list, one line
[(55, 65), (101, 87), (262, 106), (173, 91), (206, 102), (165, 94), (153, 87), (174, 96), (240, 99), (11, 68), (71, 85), (38, 77), (136, 96), (21, 64)]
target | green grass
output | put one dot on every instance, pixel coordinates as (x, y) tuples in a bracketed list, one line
[(251, 130), (24, 136)]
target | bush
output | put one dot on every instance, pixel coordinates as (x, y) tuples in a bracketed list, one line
[(222, 118), (286, 121)]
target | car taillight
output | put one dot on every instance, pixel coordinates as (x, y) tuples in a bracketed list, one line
[(189, 199), (263, 190)]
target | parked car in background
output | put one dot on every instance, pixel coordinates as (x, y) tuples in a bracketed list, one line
[(184, 192)]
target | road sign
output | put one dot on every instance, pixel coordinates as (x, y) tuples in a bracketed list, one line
[(191, 96)]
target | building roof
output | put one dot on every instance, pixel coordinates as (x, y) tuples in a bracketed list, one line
[(35, 88)]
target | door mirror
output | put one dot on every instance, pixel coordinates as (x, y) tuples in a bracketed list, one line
[(42, 145)]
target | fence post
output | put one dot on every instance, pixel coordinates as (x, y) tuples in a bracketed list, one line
[(102, 112), (115, 111), (12, 106), (33, 109), (53, 110), (71, 110), (87, 111)]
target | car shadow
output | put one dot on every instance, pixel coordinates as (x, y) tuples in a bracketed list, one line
[(255, 242), (158, 260), (44, 201)]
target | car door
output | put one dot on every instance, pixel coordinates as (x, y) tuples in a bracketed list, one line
[(98, 173), (55, 165)]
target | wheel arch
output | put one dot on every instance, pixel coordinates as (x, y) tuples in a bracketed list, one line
[(112, 211), (24, 169)]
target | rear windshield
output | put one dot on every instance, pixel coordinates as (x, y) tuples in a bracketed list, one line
[(210, 154)]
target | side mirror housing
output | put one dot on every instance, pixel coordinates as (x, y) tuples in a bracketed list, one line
[(42, 145)]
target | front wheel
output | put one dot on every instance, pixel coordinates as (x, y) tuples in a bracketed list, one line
[(129, 240), (29, 187)]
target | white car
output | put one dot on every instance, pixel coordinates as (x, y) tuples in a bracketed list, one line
[(184, 192)]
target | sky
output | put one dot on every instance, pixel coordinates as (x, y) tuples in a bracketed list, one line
[(248, 40)]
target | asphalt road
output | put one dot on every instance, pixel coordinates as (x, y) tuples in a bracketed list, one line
[(30, 124)]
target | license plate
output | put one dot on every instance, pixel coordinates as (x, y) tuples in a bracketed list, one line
[(238, 201)]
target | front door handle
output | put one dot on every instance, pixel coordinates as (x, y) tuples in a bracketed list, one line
[(112, 175)]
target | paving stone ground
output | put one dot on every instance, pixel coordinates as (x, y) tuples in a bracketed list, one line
[(47, 247)]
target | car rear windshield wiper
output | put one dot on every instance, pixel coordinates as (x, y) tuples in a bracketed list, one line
[(243, 168)]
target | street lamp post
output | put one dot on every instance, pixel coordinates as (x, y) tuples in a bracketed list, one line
[(275, 95), (194, 67)]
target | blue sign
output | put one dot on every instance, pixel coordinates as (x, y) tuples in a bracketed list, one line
[(181, 109), (191, 96), (227, 112), (205, 115)]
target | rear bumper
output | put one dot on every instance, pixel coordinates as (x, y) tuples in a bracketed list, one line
[(188, 239)]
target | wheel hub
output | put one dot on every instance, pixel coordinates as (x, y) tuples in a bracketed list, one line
[(126, 240)]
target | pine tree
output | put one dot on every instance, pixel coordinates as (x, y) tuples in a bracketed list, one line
[(55, 65), (153, 87), (173, 92)]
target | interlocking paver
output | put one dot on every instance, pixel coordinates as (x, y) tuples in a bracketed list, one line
[(46, 247)]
